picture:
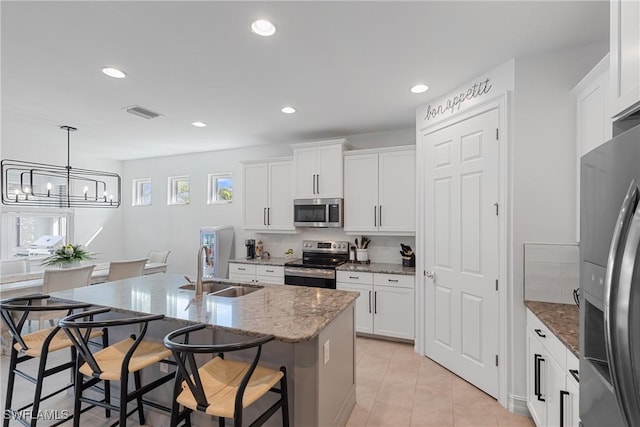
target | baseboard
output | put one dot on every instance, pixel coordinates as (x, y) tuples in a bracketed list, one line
[(518, 405), (347, 407)]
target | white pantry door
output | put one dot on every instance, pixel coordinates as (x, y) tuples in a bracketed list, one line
[(461, 245)]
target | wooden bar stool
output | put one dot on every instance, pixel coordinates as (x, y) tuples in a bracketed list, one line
[(38, 344), (115, 362), (221, 387)]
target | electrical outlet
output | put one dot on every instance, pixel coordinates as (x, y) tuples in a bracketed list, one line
[(164, 368), (326, 352)]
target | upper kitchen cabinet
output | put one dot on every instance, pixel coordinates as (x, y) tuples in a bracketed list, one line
[(625, 57), (379, 191), (268, 196), (318, 169)]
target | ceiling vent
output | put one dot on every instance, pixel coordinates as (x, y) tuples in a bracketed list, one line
[(142, 112)]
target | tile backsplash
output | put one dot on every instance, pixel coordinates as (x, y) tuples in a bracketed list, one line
[(551, 272)]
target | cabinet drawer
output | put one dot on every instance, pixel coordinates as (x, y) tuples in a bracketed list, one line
[(270, 270), (554, 346), (573, 364), (400, 280), (242, 268), (354, 277), (240, 277)]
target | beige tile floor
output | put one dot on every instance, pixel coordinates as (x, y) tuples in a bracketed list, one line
[(395, 387)]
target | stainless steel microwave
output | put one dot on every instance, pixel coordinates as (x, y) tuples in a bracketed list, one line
[(317, 213)]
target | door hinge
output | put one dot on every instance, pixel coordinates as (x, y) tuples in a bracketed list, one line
[(497, 134), (497, 208), (496, 360), (496, 284)]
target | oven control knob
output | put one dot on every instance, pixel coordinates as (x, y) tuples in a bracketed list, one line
[(333, 246)]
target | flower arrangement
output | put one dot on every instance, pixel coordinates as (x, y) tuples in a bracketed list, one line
[(68, 254)]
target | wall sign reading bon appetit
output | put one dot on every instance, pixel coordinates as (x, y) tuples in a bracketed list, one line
[(454, 104)]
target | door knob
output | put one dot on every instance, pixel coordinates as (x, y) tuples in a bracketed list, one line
[(430, 274)]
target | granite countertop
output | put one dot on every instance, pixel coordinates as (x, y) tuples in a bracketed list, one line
[(290, 313), (561, 319), (378, 267), (260, 261)]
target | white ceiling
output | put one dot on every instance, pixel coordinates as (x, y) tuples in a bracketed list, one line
[(346, 66)]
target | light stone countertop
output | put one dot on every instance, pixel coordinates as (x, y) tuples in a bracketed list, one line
[(378, 267), (290, 313), (276, 261)]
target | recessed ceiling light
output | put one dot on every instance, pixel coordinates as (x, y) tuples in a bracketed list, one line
[(420, 88), (288, 110), (264, 28), (114, 72), (199, 124)]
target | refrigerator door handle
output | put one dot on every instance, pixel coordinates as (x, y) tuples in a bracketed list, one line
[(615, 252), (623, 315)]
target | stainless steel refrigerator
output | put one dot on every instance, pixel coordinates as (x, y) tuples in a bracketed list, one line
[(219, 243), (610, 283)]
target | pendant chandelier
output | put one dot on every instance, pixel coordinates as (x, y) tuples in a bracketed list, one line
[(41, 184)]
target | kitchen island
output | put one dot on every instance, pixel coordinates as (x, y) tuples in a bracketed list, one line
[(314, 331)]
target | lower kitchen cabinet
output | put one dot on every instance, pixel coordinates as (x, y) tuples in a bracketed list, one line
[(267, 274), (386, 303), (552, 391)]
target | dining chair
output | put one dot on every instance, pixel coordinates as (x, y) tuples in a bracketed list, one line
[(222, 387), (26, 346), (158, 256), (116, 362), (13, 266), (119, 270), (63, 279)]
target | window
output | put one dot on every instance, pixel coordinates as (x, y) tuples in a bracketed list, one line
[(220, 188), (34, 232), (178, 191), (141, 192)]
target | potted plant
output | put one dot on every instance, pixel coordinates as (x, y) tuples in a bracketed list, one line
[(69, 255)]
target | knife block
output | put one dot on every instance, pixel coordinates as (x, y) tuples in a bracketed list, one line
[(409, 262)]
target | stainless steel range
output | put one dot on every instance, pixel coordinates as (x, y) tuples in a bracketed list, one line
[(317, 267)]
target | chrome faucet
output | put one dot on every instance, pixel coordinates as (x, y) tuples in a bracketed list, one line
[(199, 275)]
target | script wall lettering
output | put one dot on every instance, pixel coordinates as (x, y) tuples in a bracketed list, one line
[(454, 104)]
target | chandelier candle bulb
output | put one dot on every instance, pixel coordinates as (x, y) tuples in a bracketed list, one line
[(86, 190), (48, 189), (17, 194)]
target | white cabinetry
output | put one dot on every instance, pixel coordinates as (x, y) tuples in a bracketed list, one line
[(625, 60), (267, 274), (318, 169), (593, 117), (552, 394), (268, 199), (386, 303), (379, 191)]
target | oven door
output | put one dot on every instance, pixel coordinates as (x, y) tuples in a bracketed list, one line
[(312, 277)]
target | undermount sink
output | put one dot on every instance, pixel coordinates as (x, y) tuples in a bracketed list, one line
[(218, 289)]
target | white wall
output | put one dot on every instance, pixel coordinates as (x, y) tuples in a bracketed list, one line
[(543, 165), (176, 228)]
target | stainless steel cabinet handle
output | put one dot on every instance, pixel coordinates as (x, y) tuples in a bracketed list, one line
[(269, 271), (380, 216), (354, 277), (318, 184), (375, 217), (241, 268), (268, 216), (264, 216), (314, 184), (369, 301), (539, 332), (393, 280)]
